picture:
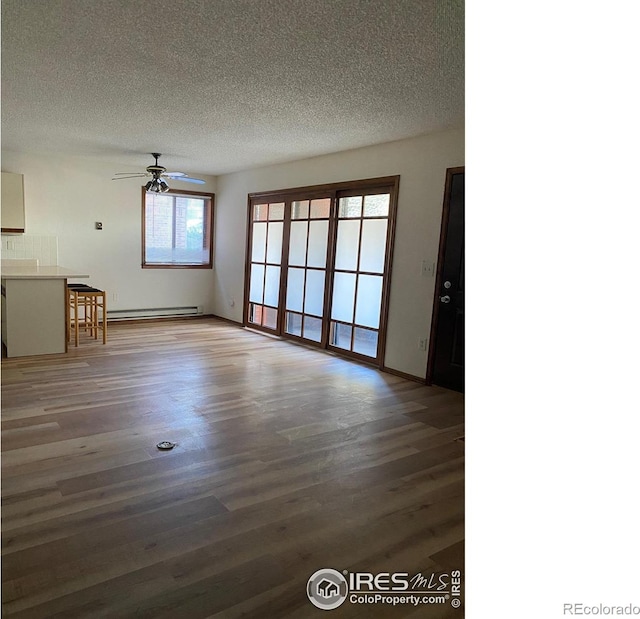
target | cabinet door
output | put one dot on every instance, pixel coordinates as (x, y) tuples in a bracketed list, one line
[(12, 202)]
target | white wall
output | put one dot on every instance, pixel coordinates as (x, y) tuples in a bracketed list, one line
[(64, 197), (421, 163)]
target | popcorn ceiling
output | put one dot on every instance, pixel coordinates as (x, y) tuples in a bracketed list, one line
[(225, 85)]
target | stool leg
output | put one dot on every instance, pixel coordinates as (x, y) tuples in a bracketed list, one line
[(67, 331), (104, 318), (94, 316), (76, 310)]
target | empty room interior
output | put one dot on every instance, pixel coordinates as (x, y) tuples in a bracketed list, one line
[(232, 308)]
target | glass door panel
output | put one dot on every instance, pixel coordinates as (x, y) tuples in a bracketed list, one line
[(344, 291), (374, 237), (295, 289), (257, 283), (348, 244), (259, 242), (298, 243), (272, 286), (274, 242), (368, 301), (318, 235), (314, 293)]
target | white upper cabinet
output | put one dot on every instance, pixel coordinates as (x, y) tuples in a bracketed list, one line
[(12, 202)]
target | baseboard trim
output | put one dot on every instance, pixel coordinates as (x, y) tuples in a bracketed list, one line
[(415, 379), (224, 319)]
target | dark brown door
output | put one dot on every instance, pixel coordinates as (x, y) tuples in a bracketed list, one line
[(446, 350)]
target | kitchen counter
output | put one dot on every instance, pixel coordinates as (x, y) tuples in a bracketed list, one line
[(40, 272), (34, 309)]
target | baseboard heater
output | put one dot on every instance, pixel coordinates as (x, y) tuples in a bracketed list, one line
[(153, 312)]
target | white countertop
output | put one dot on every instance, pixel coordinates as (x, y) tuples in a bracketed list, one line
[(40, 272)]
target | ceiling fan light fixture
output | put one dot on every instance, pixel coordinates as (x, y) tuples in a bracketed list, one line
[(158, 184)]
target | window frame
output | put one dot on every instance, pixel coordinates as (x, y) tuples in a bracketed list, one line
[(207, 229)]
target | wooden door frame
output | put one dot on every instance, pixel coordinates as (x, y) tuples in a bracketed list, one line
[(444, 228), (333, 191)]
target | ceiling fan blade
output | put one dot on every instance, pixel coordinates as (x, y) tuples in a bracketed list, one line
[(187, 179), (173, 174), (120, 178), (130, 174)]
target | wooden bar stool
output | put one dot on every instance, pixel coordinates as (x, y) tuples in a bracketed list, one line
[(93, 317)]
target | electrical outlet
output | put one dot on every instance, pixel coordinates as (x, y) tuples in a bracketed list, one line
[(422, 343), (114, 296), (232, 302), (427, 268)]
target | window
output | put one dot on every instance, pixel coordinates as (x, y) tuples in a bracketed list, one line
[(319, 263), (177, 228)]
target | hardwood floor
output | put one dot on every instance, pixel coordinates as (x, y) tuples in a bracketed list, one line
[(288, 460)]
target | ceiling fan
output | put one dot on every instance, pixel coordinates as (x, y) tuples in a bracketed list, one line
[(158, 173)]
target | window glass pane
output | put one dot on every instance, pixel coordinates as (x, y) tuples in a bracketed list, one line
[(258, 242), (274, 242), (276, 211), (318, 232), (312, 328), (272, 286), (314, 293), (344, 288), (376, 206), (158, 228), (374, 242), (257, 283), (320, 208), (255, 313), (300, 210), (295, 289), (260, 212), (177, 230), (298, 243), (341, 335), (368, 301), (293, 324), (174, 230), (347, 245), (270, 317), (365, 342), (350, 207)]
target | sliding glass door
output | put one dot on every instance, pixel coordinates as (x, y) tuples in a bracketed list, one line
[(319, 263)]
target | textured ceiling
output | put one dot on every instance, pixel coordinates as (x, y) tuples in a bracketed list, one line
[(224, 85)]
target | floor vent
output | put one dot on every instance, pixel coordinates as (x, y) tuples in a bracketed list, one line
[(153, 312)]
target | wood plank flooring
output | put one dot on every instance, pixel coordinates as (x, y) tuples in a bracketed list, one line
[(288, 460)]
